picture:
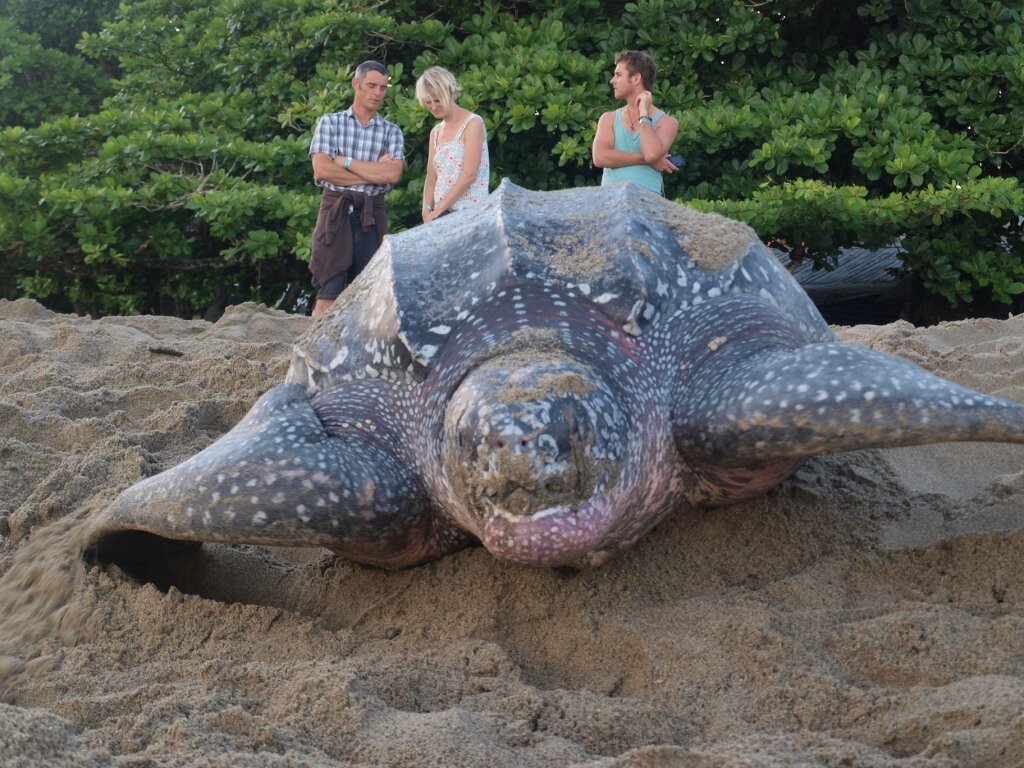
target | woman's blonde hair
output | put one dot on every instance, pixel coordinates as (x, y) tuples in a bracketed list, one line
[(438, 83)]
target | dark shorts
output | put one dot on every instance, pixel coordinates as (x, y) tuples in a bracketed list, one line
[(364, 245)]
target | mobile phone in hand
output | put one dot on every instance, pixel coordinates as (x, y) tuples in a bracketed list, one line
[(677, 160)]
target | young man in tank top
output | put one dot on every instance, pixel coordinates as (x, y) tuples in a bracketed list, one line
[(633, 143)]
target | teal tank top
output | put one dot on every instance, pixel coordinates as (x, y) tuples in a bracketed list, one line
[(641, 175)]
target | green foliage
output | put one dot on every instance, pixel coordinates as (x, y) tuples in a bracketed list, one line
[(821, 124), (59, 24), (37, 83)]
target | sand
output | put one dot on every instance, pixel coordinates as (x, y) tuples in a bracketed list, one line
[(869, 612)]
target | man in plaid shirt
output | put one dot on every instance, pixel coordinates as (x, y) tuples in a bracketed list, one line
[(357, 157)]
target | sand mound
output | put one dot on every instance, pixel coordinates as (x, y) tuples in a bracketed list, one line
[(870, 612)]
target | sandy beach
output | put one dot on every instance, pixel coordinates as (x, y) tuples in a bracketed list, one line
[(869, 612)]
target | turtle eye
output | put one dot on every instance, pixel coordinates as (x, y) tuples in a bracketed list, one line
[(547, 445)]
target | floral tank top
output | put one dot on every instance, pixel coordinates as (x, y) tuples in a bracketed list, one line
[(448, 161)]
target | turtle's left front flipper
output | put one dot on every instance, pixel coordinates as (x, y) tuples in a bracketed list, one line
[(287, 474), (781, 403)]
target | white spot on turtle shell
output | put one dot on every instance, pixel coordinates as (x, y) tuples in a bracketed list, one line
[(604, 298), (339, 358), (584, 289), (441, 330)]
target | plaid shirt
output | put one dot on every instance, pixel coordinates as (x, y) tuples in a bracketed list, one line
[(341, 134)]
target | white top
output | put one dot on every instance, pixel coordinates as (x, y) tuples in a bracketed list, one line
[(448, 161)]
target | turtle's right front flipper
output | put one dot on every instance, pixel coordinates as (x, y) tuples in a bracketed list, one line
[(283, 476), (776, 404), (757, 392)]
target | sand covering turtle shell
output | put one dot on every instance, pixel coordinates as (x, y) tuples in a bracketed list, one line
[(713, 241), (870, 612)]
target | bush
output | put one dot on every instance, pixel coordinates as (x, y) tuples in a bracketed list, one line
[(822, 124), (38, 83)]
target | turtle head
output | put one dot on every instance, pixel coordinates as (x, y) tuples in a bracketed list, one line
[(530, 441)]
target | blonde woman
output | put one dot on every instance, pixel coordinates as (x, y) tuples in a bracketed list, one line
[(458, 166)]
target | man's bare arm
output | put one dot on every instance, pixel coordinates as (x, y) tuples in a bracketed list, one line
[(656, 143), (387, 170), (605, 155), (325, 169), (655, 140)]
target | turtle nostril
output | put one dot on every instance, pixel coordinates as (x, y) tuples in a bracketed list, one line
[(524, 441), (554, 485)]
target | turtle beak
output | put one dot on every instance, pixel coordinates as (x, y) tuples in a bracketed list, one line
[(565, 535)]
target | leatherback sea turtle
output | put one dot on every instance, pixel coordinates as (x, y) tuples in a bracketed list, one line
[(550, 374)]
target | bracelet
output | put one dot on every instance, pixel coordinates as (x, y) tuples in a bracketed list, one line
[(348, 162), (647, 120), (428, 207)]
